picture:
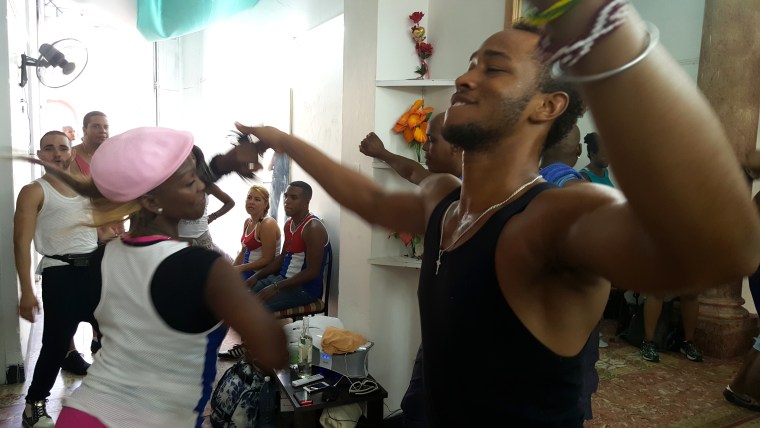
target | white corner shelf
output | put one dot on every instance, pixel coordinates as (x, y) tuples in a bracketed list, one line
[(414, 83), (398, 261)]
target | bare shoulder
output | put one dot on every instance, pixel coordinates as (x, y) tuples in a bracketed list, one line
[(314, 226), (573, 201), (555, 213), (269, 223), (30, 193), (436, 187)]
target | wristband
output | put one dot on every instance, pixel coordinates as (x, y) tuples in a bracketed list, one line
[(653, 36)]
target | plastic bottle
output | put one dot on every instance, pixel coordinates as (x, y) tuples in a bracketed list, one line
[(267, 417), (304, 348)]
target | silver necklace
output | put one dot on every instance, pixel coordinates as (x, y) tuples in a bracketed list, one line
[(491, 208), (308, 214), (84, 149)]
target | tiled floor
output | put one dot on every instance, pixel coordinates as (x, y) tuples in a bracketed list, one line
[(632, 393)]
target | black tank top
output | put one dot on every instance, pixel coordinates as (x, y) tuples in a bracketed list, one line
[(480, 362)]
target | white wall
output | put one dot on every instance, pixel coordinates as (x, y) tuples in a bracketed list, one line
[(14, 136), (318, 118)]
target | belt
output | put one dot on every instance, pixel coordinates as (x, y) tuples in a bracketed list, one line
[(78, 260)]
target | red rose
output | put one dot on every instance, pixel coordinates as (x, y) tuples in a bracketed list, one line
[(424, 50), (416, 17)]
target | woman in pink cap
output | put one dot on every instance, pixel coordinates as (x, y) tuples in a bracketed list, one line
[(163, 306)]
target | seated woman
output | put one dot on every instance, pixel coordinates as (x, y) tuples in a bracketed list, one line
[(261, 240), (261, 243)]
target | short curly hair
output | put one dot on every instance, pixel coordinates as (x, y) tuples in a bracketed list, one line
[(546, 84)]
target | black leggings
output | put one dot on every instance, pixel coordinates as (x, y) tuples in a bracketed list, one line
[(68, 298)]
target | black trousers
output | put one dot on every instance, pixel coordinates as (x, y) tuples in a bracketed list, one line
[(413, 403), (68, 298)]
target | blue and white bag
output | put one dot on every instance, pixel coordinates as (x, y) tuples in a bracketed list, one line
[(243, 398)]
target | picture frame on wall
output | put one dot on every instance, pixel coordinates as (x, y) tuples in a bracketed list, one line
[(512, 12)]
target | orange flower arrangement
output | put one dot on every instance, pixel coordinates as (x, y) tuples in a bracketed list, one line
[(414, 124)]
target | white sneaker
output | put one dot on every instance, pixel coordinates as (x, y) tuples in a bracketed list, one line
[(35, 415)]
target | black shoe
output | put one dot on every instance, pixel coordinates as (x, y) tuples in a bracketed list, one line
[(36, 415), (649, 351), (74, 363), (234, 353), (691, 351), (95, 346), (741, 400)]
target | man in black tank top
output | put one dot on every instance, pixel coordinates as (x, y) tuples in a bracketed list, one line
[(516, 273)]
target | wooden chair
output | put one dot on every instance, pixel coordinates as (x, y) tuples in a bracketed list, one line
[(314, 308)]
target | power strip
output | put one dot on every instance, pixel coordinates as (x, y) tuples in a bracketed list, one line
[(307, 379)]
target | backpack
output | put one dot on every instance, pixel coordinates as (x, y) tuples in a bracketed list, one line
[(243, 398)]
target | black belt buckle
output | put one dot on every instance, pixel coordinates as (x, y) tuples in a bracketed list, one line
[(79, 260)]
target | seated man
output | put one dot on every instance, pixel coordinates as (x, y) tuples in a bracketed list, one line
[(294, 278), (558, 160)]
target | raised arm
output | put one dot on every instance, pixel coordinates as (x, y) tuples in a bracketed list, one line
[(661, 137), (396, 211), (262, 334), (227, 202), (28, 204), (408, 169)]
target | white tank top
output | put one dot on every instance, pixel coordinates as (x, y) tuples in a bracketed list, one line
[(194, 228), (147, 374), (60, 226)]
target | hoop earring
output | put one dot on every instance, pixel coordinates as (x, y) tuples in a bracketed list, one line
[(159, 210)]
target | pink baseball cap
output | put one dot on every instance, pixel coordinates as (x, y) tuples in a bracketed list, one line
[(129, 165)]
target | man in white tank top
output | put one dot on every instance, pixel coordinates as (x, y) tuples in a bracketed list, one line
[(53, 215)]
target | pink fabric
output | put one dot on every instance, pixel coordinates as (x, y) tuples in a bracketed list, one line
[(73, 418), (135, 162), (82, 164), (144, 239)]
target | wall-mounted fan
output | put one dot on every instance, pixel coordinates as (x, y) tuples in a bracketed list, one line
[(59, 63)]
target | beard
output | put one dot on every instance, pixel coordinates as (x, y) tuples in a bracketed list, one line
[(476, 137)]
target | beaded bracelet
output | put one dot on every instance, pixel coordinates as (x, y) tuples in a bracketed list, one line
[(610, 16), (533, 17), (653, 36)]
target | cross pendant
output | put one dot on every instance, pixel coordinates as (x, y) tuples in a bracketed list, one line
[(438, 262)]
